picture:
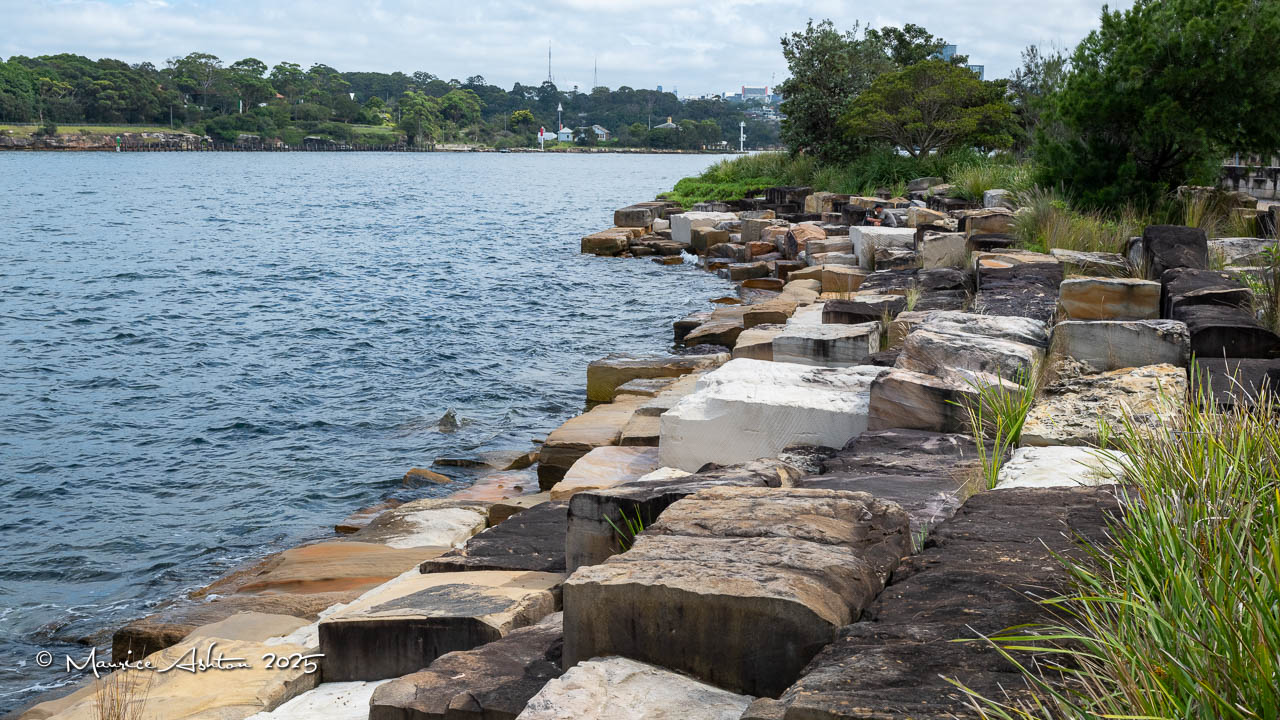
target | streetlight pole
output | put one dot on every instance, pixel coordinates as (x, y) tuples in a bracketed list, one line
[(742, 135)]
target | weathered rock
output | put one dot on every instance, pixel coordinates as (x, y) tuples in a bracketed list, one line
[(864, 309), (1186, 286), (212, 695), (772, 312), (600, 426), (647, 387), (1234, 382), (809, 315), (1071, 410), (1220, 331), (923, 183), (328, 567), (918, 216), (733, 252), (1111, 345), (987, 221), (757, 342), (1094, 264), (641, 431), (682, 224), (362, 517), (1061, 466), (616, 688), (834, 258), (682, 327), (816, 246), (784, 268), (1026, 290), (795, 242), (403, 625), (942, 250), (983, 571), (530, 540), (750, 409), (752, 228), (492, 682), (715, 332), (706, 237), (610, 242), (739, 271), (593, 515), (427, 523), (639, 215), (606, 467), (891, 258), (911, 400), (1173, 246), (1110, 298), (925, 473), (998, 199), (827, 345), (867, 239), (606, 375), (667, 399), (841, 278), (502, 510), (327, 701), (739, 587), (974, 348)]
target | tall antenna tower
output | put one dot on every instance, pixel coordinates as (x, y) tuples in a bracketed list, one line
[(595, 73), (549, 78)]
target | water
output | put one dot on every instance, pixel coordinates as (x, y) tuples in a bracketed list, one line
[(208, 357)]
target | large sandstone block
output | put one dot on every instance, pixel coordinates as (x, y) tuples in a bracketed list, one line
[(1018, 284), (828, 345), (1221, 331), (1074, 410), (427, 523), (912, 400), (943, 250), (404, 625), (738, 587), (795, 241), (1173, 246), (1240, 252), (1110, 298), (613, 241), (682, 224), (600, 426), (1234, 382), (1186, 286), (1092, 264), (988, 221), (985, 570), (594, 515), (752, 228), (606, 375), (616, 688), (750, 409), (606, 467), (841, 278), (1114, 344), (866, 239), (974, 348), (1061, 466), (532, 539), (495, 680), (757, 342), (706, 237), (641, 215), (863, 308), (770, 312)]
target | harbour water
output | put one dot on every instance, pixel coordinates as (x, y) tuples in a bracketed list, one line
[(208, 357)]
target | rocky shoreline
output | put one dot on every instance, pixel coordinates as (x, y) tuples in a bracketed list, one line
[(788, 518)]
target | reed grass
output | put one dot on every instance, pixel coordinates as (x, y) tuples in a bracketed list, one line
[(996, 416), (1178, 617)]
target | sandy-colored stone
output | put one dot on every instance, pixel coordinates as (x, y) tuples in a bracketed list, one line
[(605, 467), (600, 426), (320, 568), (1110, 298), (616, 688), (1071, 410), (828, 345), (606, 375), (1061, 466), (757, 343), (328, 701), (1110, 345), (841, 278), (430, 522)]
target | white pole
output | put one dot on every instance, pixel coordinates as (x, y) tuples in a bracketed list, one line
[(742, 135)]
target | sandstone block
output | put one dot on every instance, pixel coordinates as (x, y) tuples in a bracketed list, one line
[(772, 312), (616, 688), (706, 237), (1234, 382), (756, 343), (1173, 246), (918, 216), (606, 375), (606, 467), (683, 224), (640, 215), (841, 278), (828, 345), (1093, 264), (1071, 410), (1240, 252), (532, 539), (1061, 466), (1110, 298), (405, 624), (867, 239), (1220, 331), (495, 680), (795, 241), (1114, 344), (942, 250), (425, 523), (739, 587), (750, 409), (740, 271), (911, 400), (600, 426), (865, 308)]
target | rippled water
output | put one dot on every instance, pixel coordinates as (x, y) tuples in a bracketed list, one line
[(207, 357)]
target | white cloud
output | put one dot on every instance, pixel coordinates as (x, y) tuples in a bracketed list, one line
[(699, 47)]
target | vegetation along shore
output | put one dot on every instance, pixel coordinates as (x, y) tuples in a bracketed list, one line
[(987, 429)]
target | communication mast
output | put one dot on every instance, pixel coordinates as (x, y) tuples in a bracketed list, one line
[(549, 78)]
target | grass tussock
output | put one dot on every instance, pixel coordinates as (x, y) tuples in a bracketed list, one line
[(1178, 617), (996, 416), (122, 695)]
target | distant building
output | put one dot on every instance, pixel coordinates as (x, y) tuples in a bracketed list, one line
[(668, 125), (564, 135), (949, 51), (602, 134), (659, 88)]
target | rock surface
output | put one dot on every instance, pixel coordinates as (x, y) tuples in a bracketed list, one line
[(492, 682), (912, 400), (1232, 382), (403, 625), (1070, 411), (1061, 466), (1173, 246), (600, 426), (606, 375), (1110, 299), (620, 689), (738, 587), (1110, 345), (530, 540), (827, 345), (982, 571), (606, 467), (328, 701), (750, 409)]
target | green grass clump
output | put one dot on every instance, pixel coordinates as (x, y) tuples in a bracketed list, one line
[(996, 416), (1052, 223), (74, 129), (1180, 616), (974, 179)]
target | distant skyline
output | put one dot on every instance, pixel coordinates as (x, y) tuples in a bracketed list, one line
[(713, 47)]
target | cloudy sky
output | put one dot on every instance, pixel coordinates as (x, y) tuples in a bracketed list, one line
[(698, 47)]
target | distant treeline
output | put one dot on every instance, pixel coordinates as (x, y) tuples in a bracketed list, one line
[(201, 93)]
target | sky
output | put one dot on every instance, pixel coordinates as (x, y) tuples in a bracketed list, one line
[(698, 47)]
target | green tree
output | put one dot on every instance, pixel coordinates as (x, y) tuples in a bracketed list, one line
[(931, 107), (289, 80), (18, 92), (1030, 88), (51, 89), (910, 44), (461, 107), (199, 74), (419, 116), (247, 76), (1160, 93), (521, 121), (828, 68)]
